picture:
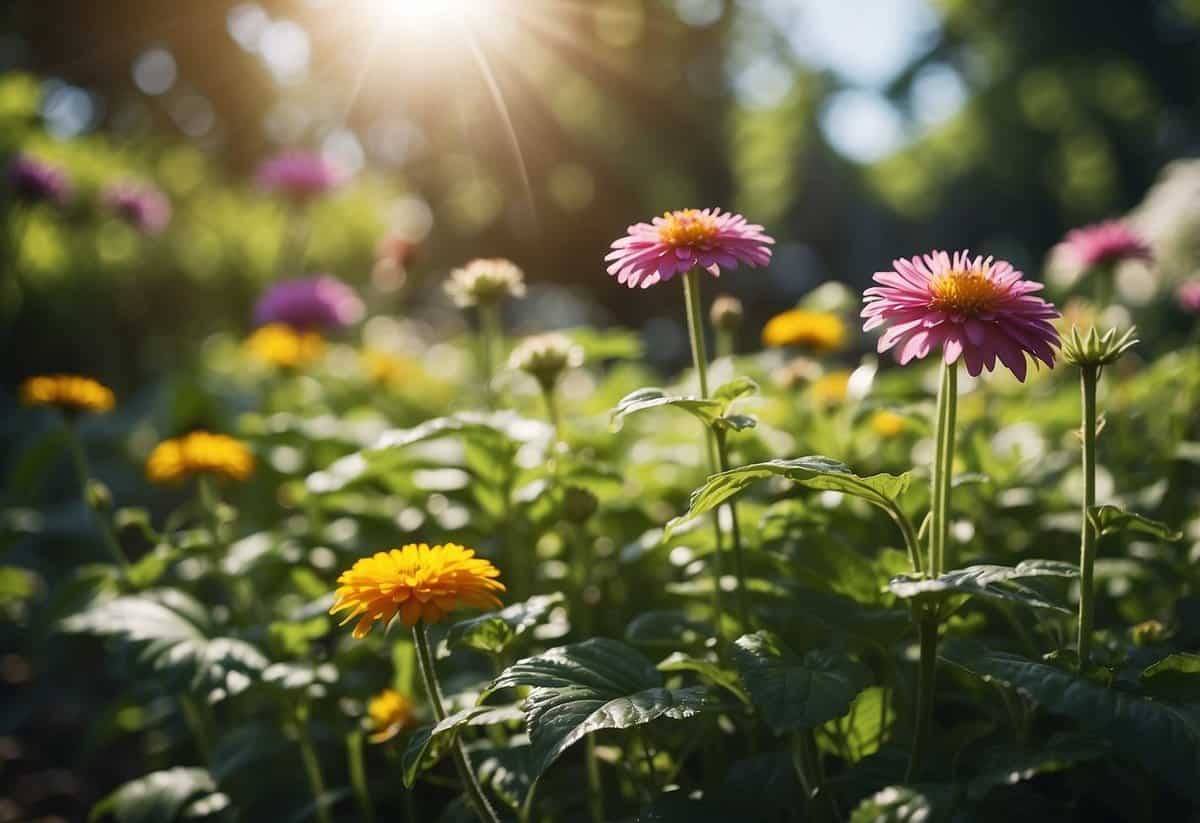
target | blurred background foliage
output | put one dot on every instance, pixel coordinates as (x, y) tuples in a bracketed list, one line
[(854, 131)]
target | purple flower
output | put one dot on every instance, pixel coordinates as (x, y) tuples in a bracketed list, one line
[(975, 308), (298, 175), (144, 207), (317, 303), (1107, 242), (683, 240), (35, 181), (1188, 295)]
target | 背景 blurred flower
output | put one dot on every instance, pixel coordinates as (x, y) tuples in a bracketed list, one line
[(37, 181), (815, 330), (1105, 243), (545, 357), (887, 423), (1188, 295), (144, 207), (317, 303), (974, 308), (486, 280), (298, 175), (199, 452), (416, 582), (278, 344), (683, 240), (831, 389), (727, 313), (67, 391), (388, 714)]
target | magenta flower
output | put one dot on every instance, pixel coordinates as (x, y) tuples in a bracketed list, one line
[(1107, 242), (683, 240), (144, 207), (36, 181), (1188, 295), (298, 175), (979, 309), (317, 303)]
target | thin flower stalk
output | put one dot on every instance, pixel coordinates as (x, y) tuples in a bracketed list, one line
[(92, 491), (1089, 377)]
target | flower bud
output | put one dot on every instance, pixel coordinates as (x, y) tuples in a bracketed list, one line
[(579, 504), (1148, 633), (727, 313), (1096, 350), (485, 282), (545, 357), (99, 498)]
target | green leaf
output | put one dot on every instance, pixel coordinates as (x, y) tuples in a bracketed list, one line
[(1164, 737), (1005, 766), (493, 632), (706, 410), (1174, 678), (812, 472), (161, 797), (997, 582), (726, 393), (905, 804), (596, 684), (428, 745), (176, 638), (864, 731), (1108, 520), (793, 692), (710, 670)]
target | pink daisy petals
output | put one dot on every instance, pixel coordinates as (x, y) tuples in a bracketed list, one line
[(683, 240), (976, 309), (1107, 242)]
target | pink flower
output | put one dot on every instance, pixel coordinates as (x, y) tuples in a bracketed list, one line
[(1107, 242), (317, 303), (145, 208), (1188, 295), (683, 240), (298, 175), (979, 309), (35, 181)]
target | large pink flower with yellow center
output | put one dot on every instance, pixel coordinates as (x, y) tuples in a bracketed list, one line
[(975, 308), (683, 240)]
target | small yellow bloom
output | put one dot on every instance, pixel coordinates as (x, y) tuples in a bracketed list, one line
[(388, 714), (830, 389), (385, 368), (417, 581), (200, 452), (818, 331), (887, 423), (67, 391), (281, 345)]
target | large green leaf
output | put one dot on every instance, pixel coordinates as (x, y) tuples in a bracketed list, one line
[(1174, 678), (596, 684), (710, 670), (162, 797), (1108, 519), (428, 745), (812, 472), (492, 632), (705, 409), (1004, 766), (997, 582), (794, 692), (175, 637), (1164, 737)]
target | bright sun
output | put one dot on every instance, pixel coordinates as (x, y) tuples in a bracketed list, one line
[(431, 16)]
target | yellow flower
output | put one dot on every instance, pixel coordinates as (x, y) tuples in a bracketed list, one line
[(887, 423), (819, 331), (199, 452), (382, 367), (830, 389), (281, 345), (388, 714), (418, 582), (67, 391)]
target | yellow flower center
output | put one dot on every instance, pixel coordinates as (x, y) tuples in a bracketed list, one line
[(964, 292), (687, 227)]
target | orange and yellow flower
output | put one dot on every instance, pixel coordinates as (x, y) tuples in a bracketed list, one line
[(67, 391), (887, 423), (417, 582), (199, 452), (831, 389), (815, 330), (280, 345), (388, 714)]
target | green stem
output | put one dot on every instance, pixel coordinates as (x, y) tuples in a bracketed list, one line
[(489, 345), (735, 533), (552, 412), (691, 293), (724, 343), (808, 759), (83, 473), (429, 676), (1087, 540), (943, 469), (358, 775), (927, 629), (912, 543), (595, 785), (312, 765)]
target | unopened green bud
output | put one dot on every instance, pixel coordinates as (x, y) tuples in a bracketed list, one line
[(727, 313), (99, 498), (1097, 350), (546, 357), (1148, 633)]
